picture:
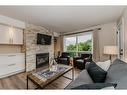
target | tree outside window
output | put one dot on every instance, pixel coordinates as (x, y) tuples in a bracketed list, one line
[(80, 43)]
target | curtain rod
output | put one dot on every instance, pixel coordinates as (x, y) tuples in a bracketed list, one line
[(81, 32)]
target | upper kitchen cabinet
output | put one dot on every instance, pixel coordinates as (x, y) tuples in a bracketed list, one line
[(10, 35), (4, 34), (18, 36)]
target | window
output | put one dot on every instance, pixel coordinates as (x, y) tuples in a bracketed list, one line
[(70, 44), (84, 42), (78, 43)]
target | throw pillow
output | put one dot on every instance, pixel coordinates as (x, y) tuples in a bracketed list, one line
[(104, 65), (95, 86), (97, 74)]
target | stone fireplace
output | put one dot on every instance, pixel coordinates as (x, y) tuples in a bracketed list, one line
[(31, 48), (42, 59)]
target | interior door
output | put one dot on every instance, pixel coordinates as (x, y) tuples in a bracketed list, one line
[(120, 39)]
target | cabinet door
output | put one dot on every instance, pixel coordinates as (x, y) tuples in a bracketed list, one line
[(4, 34), (18, 36), (11, 63), (20, 62)]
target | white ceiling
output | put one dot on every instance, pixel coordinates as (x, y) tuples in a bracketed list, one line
[(64, 18)]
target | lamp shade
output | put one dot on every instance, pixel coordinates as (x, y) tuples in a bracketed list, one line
[(111, 50)]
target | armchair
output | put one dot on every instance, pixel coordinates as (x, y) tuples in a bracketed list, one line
[(64, 58), (79, 62)]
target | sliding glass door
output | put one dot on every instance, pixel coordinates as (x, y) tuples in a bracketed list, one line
[(80, 43)]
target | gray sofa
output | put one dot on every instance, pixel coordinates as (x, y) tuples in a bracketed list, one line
[(117, 73)]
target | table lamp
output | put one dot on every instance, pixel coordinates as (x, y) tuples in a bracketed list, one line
[(110, 50)]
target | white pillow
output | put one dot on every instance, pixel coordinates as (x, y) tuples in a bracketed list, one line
[(104, 65)]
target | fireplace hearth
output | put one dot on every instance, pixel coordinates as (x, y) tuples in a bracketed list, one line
[(42, 59)]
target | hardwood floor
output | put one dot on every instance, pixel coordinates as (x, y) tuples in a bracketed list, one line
[(18, 81)]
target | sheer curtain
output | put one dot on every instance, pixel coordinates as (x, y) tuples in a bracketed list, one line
[(96, 48)]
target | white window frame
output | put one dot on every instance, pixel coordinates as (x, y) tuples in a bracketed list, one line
[(76, 35)]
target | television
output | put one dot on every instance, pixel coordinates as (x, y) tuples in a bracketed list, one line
[(43, 39)]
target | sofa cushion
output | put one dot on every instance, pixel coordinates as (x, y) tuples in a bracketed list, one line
[(95, 86), (97, 74), (117, 73), (83, 78), (104, 65)]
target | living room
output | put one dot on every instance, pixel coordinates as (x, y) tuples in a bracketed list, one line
[(51, 47)]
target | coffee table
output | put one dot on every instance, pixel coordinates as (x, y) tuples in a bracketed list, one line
[(39, 79)]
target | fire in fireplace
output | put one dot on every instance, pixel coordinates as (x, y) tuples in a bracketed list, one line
[(42, 59)]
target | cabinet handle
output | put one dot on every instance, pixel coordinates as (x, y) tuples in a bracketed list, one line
[(11, 64)]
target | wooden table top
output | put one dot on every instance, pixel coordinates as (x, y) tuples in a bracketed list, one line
[(42, 83)]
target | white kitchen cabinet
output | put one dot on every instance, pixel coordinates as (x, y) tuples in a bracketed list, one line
[(4, 34), (9, 35), (18, 36), (11, 64)]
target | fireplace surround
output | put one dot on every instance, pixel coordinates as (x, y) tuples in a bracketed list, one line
[(42, 59)]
